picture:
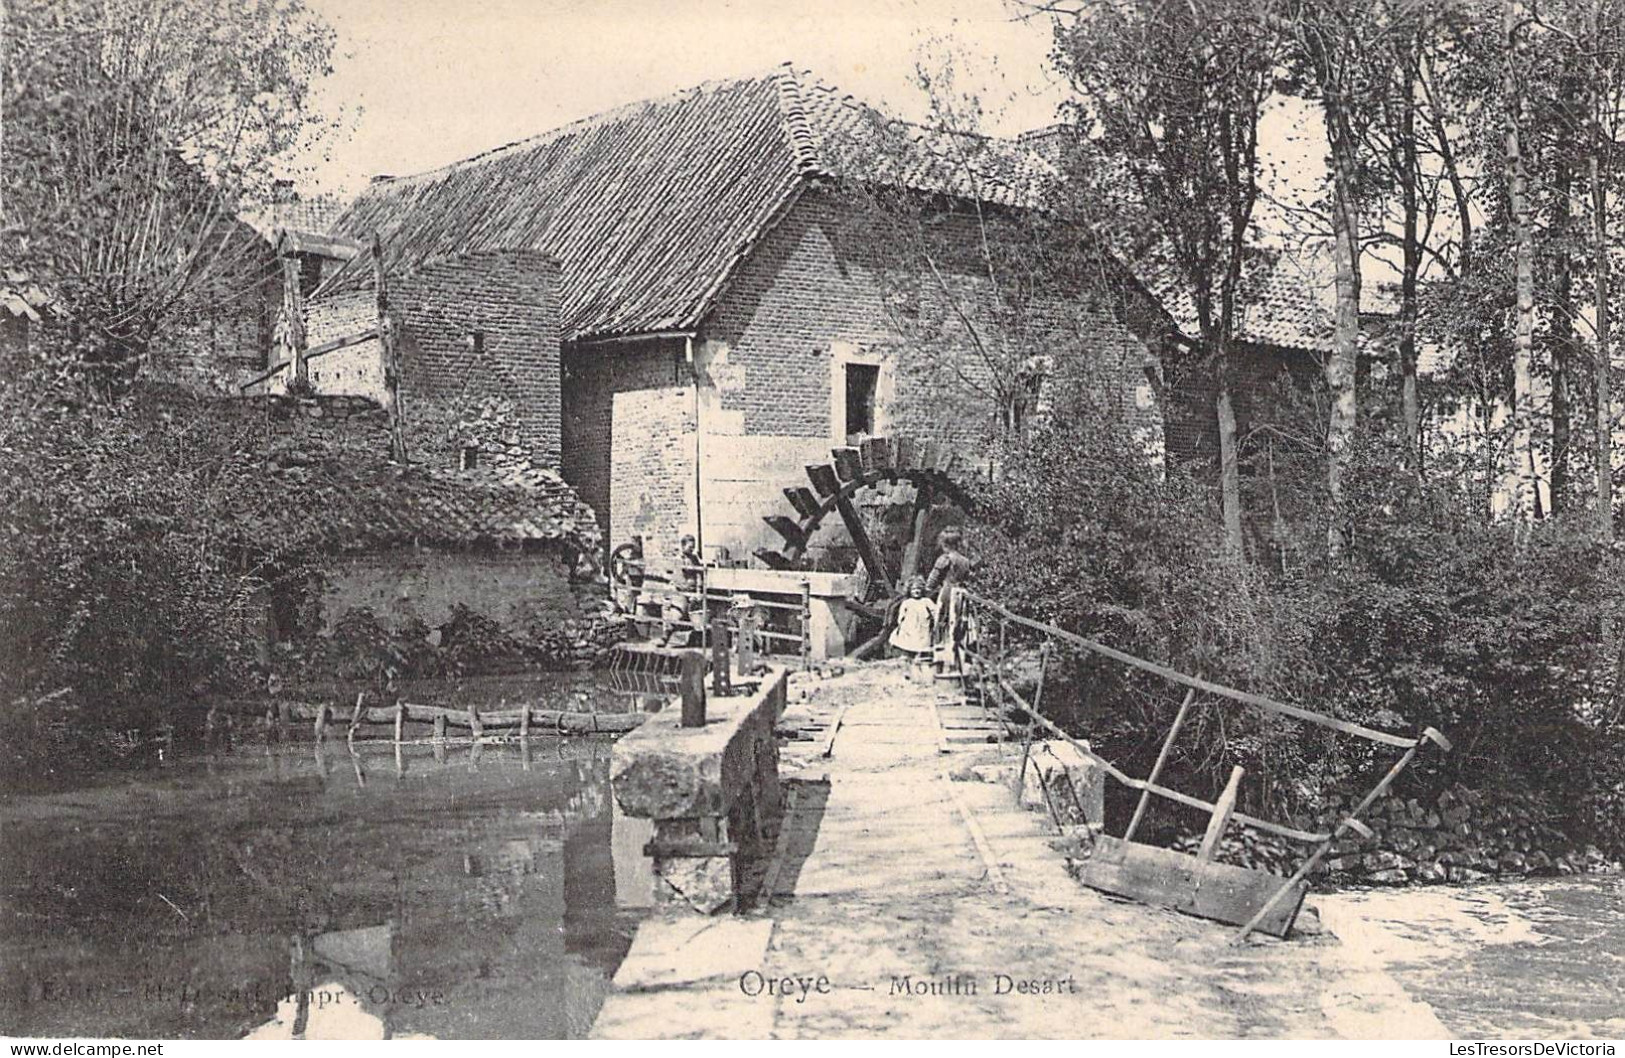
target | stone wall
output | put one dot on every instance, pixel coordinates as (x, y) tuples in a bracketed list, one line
[(402, 585), (814, 297), (221, 336), (1458, 835), (523, 604)]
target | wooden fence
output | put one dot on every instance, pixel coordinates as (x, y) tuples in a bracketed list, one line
[(988, 654)]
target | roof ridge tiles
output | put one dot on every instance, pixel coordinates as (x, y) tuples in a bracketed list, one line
[(586, 123)]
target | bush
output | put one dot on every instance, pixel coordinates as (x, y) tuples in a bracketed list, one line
[(1502, 635)]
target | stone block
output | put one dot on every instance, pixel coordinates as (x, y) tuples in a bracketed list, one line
[(1052, 761), (710, 790)]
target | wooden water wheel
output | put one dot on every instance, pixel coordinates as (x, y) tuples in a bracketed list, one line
[(926, 464)]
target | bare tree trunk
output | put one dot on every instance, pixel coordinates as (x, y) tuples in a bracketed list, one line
[(1343, 365), (1410, 404), (1229, 459), (1523, 449), (1562, 329), (1604, 441)]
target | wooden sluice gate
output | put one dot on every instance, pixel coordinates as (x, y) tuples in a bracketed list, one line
[(1197, 884)]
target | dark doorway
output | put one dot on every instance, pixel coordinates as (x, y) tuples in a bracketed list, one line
[(861, 382)]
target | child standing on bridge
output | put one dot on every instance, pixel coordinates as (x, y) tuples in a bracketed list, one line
[(916, 616)]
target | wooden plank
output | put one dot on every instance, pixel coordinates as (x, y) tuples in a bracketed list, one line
[(824, 479), (929, 453), (834, 729), (876, 454), (1216, 891), (803, 500), (848, 463), (990, 863), (907, 453), (773, 559), (1156, 769), (794, 535), (866, 547), (917, 542), (1222, 809)]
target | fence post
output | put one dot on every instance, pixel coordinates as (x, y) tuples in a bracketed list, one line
[(1156, 769), (703, 619), (1032, 722), (693, 688), (806, 624), (721, 679)]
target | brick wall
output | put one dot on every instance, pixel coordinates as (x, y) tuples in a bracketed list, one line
[(502, 400), (818, 282), (651, 486), (511, 298), (593, 375), (817, 293), (405, 584), (221, 336)]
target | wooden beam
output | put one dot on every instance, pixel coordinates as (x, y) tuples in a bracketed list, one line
[(866, 547), (823, 478), (916, 543), (1222, 808), (803, 500), (1156, 769), (1217, 891), (875, 452), (794, 535), (773, 559), (848, 463), (342, 343), (391, 349), (1196, 682), (1284, 893)]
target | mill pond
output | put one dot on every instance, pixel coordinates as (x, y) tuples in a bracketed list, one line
[(269, 886)]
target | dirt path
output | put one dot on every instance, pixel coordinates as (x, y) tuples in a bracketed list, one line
[(913, 906)]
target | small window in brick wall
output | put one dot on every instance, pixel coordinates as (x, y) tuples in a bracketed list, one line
[(470, 458), (862, 380), (476, 341)]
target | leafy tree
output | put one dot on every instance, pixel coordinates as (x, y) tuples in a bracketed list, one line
[(133, 130), (1169, 97)]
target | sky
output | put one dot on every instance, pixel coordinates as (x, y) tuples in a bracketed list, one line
[(426, 82)]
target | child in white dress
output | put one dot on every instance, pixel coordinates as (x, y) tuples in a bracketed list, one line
[(916, 617)]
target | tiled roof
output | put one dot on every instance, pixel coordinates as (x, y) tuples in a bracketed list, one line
[(1287, 300), (310, 216), (649, 207), (336, 490), (351, 506)]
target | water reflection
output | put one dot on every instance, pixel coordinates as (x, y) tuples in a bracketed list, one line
[(429, 890)]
